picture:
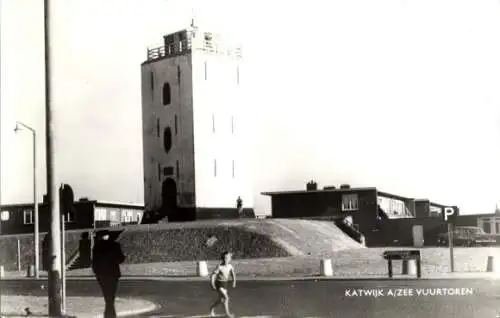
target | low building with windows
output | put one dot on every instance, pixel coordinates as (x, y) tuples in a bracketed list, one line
[(87, 214), (383, 218), (489, 222)]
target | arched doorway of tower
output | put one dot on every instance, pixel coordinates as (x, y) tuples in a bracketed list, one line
[(169, 199)]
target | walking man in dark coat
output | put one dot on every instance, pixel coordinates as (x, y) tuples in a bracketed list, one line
[(106, 260)]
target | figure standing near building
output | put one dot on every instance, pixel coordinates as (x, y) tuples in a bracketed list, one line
[(107, 256), (239, 206), (219, 279)]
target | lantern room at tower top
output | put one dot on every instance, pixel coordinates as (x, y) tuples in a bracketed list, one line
[(190, 39), (196, 163)]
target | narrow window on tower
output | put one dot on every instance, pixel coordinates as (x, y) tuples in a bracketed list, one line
[(213, 123), (232, 124), (206, 71), (233, 168), (238, 75), (167, 139), (178, 75), (175, 125), (215, 167), (158, 127), (166, 94), (177, 173), (152, 82)]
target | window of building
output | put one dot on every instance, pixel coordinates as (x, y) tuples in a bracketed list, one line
[(70, 217), (176, 125), (215, 167), (233, 168), (434, 213), (178, 75), (487, 227), (213, 123), (127, 215), (4, 215), (166, 94), (112, 216), (238, 75), (100, 214), (349, 202), (28, 216), (167, 139), (168, 171), (206, 71), (138, 217)]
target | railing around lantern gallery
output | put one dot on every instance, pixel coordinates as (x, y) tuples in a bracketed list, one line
[(186, 45)]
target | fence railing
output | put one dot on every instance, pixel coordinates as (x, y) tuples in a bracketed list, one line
[(186, 45)]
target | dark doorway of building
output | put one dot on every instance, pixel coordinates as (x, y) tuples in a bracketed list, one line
[(169, 198)]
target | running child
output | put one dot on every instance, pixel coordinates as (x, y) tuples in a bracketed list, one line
[(219, 280)]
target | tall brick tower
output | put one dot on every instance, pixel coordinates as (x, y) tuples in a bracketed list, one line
[(196, 163)]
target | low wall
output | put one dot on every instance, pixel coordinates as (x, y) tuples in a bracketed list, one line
[(9, 249)]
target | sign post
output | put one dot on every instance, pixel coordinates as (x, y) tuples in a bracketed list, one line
[(450, 243), (450, 214)]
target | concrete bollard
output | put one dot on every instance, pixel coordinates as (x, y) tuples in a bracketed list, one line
[(409, 267), (326, 267), (202, 269), (2, 272), (363, 240), (490, 265)]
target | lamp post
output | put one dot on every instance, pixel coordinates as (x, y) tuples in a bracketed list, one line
[(35, 197)]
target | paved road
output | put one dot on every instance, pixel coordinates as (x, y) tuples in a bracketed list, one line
[(323, 298)]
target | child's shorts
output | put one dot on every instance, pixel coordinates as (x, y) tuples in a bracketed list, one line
[(220, 284)]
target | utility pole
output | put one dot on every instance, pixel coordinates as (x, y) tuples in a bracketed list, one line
[(54, 281)]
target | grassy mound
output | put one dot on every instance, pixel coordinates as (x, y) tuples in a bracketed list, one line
[(195, 241), (205, 240), (304, 237)]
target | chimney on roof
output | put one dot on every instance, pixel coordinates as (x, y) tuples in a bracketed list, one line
[(311, 186)]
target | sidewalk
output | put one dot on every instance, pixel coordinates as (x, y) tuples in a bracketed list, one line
[(15, 306), (336, 276)]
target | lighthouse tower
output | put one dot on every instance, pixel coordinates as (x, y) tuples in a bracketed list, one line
[(196, 164)]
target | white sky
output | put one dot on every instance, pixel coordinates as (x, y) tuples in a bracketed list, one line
[(398, 94)]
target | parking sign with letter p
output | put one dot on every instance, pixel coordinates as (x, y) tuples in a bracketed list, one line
[(450, 214)]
